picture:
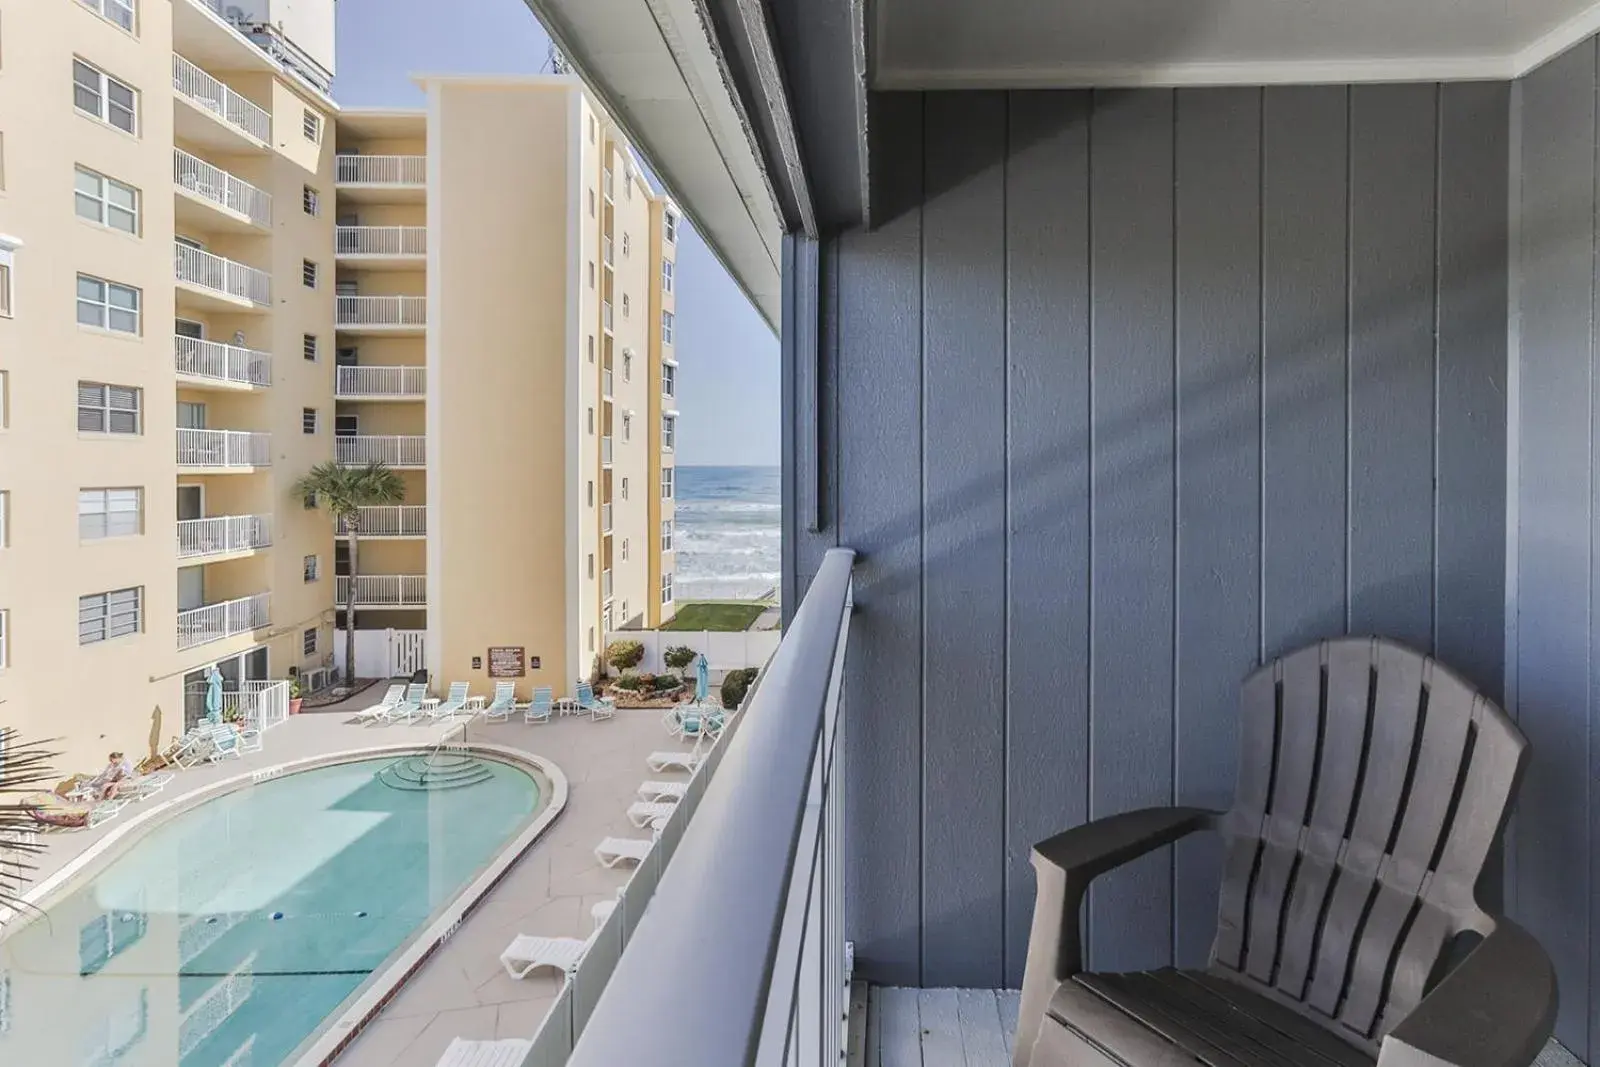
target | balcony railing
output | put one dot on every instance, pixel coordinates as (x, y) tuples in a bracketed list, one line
[(224, 448), (606, 385), (223, 534), (385, 590), (196, 266), (382, 311), (381, 170), (221, 188), (197, 86), (214, 622), (605, 583), (197, 358), (358, 450), (605, 313), (605, 451), (605, 518), (607, 251), (380, 381), (389, 520), (607, 185), (774, 950), (381, 240)]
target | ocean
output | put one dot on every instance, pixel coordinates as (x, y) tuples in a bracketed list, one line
[(727, 533)]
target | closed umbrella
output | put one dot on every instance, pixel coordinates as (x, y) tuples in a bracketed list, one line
[(702, 679), (214, 696)]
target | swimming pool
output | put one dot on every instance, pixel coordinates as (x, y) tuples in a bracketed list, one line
[(227, 935)]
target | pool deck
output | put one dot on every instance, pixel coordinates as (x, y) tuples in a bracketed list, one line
[(462, 991)]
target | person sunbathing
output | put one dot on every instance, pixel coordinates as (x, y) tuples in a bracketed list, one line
[(118, 770)]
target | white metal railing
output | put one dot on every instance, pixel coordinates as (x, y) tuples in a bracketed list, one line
[(223, 533), (198, 358), (607, 251), (200, 931), (605, 583), (605, 518), (216, 1006), (606, 384), (382, 311), (196, 266), (381, 170), (774, 950), (263, 704), (385, 590), (392, 450), (200, 626), (217, 185), (196, 85), (605, 313), (608, 184), (605, 451), (381, 240), (223, 448), (389, 520), (380, 381)]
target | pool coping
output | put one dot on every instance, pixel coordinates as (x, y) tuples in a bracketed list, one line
[(332, 1038)]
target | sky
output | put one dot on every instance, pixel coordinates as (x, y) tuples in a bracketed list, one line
[(728, 357)]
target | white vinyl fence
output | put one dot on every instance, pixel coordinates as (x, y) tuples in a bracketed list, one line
[(382, 653), (723, 651)]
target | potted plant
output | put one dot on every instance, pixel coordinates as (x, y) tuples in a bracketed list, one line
[(294, 697)]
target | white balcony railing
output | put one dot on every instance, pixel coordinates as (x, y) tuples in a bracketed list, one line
[(218, 186), (382, 311), (259, 705), (224, 448), (605, 518), (223, 534), (390, 520), (605, 451), (608, 185), (381, 240), (380, 381), (358, 450), (216, 1006), (605, 313), (196, 266), (381, 170), (197, 358), (385, 590), (768, 793), (607, 251), (605, 583), (214, 622), (196, 86), (606, 384)]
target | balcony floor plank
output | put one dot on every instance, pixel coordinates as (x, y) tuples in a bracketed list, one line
[(983, 1037)]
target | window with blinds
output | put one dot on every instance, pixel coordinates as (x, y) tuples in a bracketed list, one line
[(106, 513), (108, 408), (96, 93), (102, 616)]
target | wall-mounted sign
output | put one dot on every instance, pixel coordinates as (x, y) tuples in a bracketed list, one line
[(533, 663), (477, 663), (505, 661)]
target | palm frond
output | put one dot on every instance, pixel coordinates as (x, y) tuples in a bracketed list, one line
[(25, 766)]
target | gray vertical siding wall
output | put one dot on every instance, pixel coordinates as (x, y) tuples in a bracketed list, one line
[(1554, 849), (1137, 389)]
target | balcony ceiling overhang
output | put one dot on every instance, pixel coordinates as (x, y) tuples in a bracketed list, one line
[(1010, 44)]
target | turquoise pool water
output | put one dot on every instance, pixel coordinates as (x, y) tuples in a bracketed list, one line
[(226, 936)]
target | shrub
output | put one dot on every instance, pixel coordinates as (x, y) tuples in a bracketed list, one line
[(624, 654), (679, 657), (629, 680), (647, 683), (735, 685), (666, 682)]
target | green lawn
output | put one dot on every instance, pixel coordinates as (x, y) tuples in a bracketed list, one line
[(725, 616)]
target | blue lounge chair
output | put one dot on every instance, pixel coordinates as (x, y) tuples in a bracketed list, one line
[(540, 707), (409, 707), (597, 707), (504, 703), (454, 701)]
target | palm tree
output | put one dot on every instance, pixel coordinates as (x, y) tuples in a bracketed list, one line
[(343, 491), (24, 767)]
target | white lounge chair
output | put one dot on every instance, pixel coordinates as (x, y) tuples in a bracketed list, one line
[(527, 954), (395, 695), (454, 701), (602, 911), (507, 1052), (662, 791), (642, 813), (504, 703), (675, 761), (615, 850)]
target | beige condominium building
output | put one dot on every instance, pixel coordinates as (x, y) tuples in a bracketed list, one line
[(200, 299)]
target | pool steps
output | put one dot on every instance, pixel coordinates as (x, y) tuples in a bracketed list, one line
[(435, 771)]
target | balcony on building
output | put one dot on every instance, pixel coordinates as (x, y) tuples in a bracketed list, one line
[(605, 451), (381, 247), (207, 111), (605, 315), (206, 364), (230, 618), (608, 252), (223, 451), (605, 518), (380, 383), (215, 283), (389, 521), (608, 185), (210, 198), (392, 450), (384, 590), (223, 537), (606, 385), (605, 584), (382, 314), (381, 179)]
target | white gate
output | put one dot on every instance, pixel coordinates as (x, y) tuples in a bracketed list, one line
[(406, 654)]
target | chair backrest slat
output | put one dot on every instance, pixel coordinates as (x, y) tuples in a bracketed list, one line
[(1372, 783)]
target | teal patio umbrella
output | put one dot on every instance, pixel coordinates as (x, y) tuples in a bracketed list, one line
[(702, 679), (214, 696)]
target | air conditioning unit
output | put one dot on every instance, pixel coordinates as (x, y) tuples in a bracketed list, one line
[(316, 679)]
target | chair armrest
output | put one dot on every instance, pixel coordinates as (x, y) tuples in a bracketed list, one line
[(1496, 1009), (1065, 865)]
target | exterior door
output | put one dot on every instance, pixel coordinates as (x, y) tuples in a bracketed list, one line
[(255, 665), (191, 588), (191, 502), (194, 698), (191, 416), (189, 328)]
